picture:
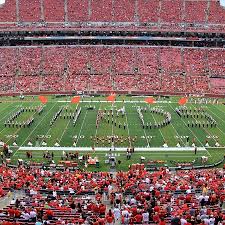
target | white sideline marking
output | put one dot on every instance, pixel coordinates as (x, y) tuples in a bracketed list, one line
[(147, 149)]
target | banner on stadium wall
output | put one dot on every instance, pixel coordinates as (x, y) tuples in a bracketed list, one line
[(222, 3)]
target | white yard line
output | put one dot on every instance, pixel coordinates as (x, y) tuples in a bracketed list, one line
[(8, 113), (219, 108), (128, 131), (64, 131), (96, 130), (38, 124), (65, 127), (5, 117), (156, 122), (219, 118), (81, 128), (144, 149), (2, 109), (114, 119), (146, 137), (20, 127), (206, 130), (187, 127), (177, 133)]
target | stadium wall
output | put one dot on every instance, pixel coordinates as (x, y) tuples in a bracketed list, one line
[(210, 95)]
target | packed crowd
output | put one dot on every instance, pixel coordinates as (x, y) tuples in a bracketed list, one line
[(133, 197), (168, 69), (207, 15)]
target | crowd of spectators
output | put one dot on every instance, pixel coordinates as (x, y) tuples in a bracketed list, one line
[(97, 198), (205, 14), (173, 69)]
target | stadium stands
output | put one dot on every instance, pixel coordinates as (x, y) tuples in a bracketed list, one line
[(195, 61), (136, 196), (81, 197), (195, 11), (217, 85), (148, 11), (171, 11), (101, 11), (178, 14), (78, 10), (54, 11), (171, 69), (8, 12), (29, 60), (30, 12), (216, 62)]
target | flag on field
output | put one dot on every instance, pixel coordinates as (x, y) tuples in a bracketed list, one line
[(75, 100), (111, 98), (43, 99), (150, 100), (183, 101)]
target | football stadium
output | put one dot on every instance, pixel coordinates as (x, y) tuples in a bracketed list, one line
[(112, 112)]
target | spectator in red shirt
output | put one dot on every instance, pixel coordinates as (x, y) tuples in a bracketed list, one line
[(138, 218), (11, 212), (49, 214), (162, 221), (109, 218)]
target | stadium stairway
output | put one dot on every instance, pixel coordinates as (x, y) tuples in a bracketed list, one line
[(5, 201)]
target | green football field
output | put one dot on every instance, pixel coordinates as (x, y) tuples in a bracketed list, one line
[(125, 128)]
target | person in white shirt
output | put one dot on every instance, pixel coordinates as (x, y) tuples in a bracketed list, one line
[(207, 144), (145, 216), (22, 203), (206, 221), (133, 201), (178, 145), (126, 216), (117, 213), (188, 191), (183, 221), (110, 188), (71, 191), (211, 220), (13, 201), (1, 143), (200, 198), (54, 194), (206, 197), (30, 144), (44, 144), (33, 215), (165, 145), (14, 144), (57, 144), (217, 144), (25, 215), (33, 192)]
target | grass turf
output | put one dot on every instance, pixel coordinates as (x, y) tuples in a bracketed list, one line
[(66, 134)]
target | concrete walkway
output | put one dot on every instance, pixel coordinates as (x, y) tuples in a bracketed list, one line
[(6, 200)]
